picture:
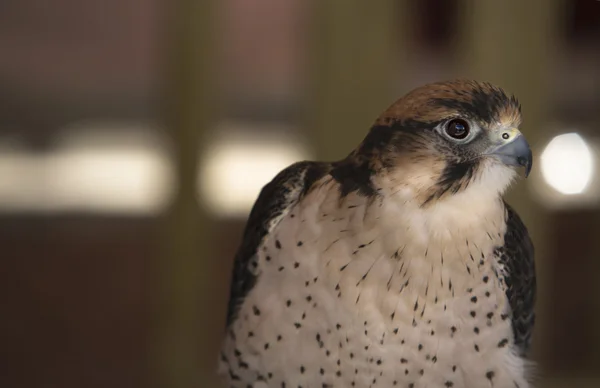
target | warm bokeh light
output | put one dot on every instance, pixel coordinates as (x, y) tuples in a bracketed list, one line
[(567, 164), (235, 168), (88, 171)]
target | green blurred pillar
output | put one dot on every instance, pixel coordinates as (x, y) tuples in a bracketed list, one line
[(183, 271), (511, 43), (352, 53)]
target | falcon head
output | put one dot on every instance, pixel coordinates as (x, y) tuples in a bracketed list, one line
[(447, 138)]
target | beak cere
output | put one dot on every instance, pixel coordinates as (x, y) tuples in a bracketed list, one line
[(514, 151)]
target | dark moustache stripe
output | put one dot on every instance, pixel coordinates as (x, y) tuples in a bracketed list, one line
[(456, 176)]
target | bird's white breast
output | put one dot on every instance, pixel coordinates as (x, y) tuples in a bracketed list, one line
[(379, 292)]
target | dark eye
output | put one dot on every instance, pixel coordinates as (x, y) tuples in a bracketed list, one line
[(457, 129)]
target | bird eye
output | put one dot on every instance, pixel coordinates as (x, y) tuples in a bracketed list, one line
[(457, 129)]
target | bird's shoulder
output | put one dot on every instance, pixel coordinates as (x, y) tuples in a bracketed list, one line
[(273, 203), (517, 259)]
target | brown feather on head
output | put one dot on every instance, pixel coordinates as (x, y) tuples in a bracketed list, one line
[(433, 102)]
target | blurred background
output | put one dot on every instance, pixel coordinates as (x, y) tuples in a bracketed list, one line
[(136, 134)]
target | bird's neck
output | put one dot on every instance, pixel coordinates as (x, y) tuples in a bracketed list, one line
[(437, 253)]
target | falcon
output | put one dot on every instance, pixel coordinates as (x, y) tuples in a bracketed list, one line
[(398, 266)]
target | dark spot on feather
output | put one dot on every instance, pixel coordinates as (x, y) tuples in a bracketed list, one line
[(233, 376)]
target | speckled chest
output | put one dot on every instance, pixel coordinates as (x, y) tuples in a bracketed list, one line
[(367, 300)]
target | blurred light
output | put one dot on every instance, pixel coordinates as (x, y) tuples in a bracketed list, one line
[(125, 172), (109, 180), (21, 186), (567, 164), (239, 163)]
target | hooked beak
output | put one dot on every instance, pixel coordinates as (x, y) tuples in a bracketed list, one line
[(513, 150)]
